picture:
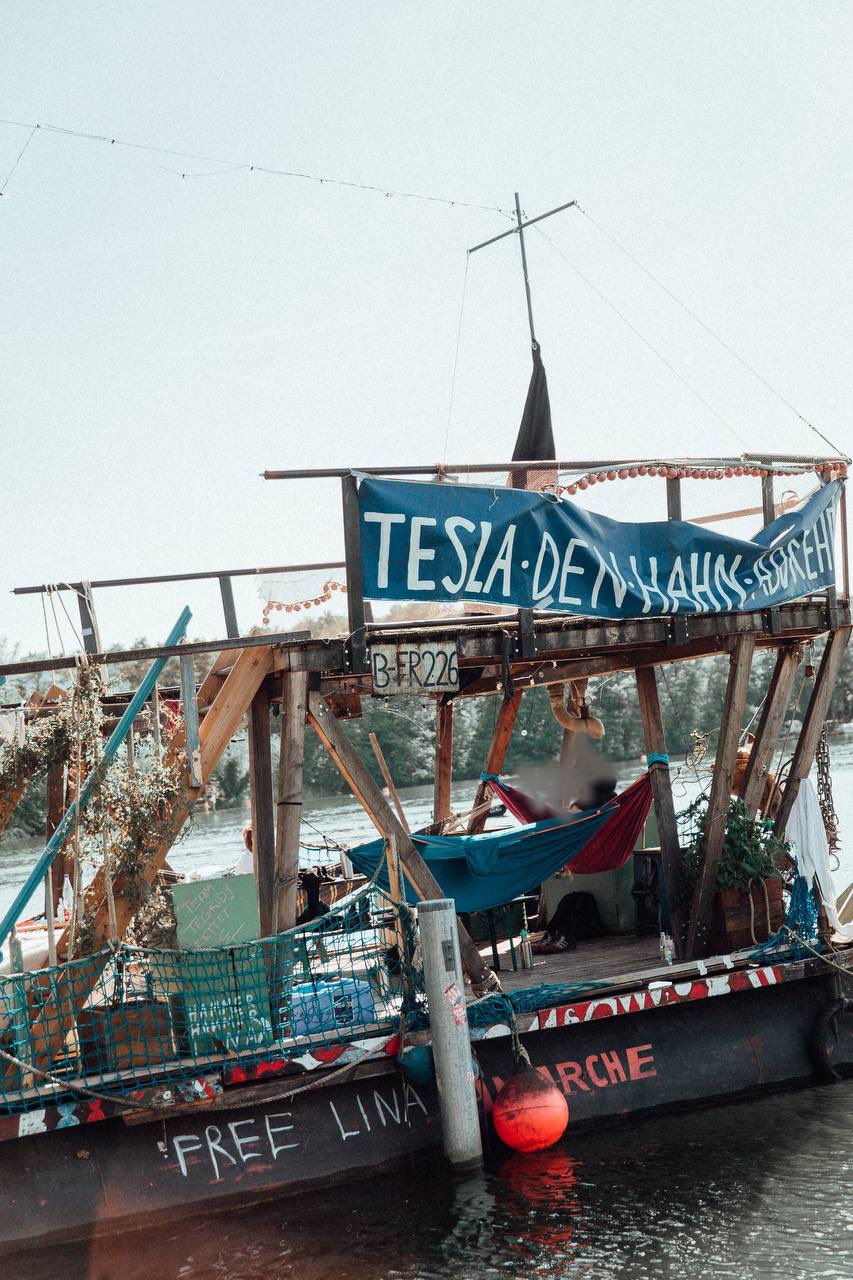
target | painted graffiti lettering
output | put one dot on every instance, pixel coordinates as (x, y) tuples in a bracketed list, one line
[(383, 1108), (224, 1151), (596, 1071)]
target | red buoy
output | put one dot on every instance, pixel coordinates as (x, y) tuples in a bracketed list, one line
[(530, 1113)]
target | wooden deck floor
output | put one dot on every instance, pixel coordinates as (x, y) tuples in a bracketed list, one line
[(609, 957)]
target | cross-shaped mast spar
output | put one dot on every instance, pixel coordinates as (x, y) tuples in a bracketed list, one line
[(519, 231)]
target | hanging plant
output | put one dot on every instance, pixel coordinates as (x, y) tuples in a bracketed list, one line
[(750, 849), (52, 738)]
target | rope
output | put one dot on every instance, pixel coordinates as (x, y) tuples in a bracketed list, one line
[(456, 357), (722, 342), (698, 395), (64, 1085)]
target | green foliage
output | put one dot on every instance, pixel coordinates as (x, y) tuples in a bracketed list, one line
[(233, 782), (750, 849)]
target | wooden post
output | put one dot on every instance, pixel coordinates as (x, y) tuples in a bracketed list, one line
[(673, 499), (353, 769), (357, 640), (294, 698), (389, 781), (496, 756), (713, 836), (812, 724), (670, 849), (769, 725), (263, 813), (56, 807), (443, 760)]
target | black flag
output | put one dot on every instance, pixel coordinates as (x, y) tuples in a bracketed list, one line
[(535, 436)]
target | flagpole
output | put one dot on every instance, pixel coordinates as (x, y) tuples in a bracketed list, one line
[(533, 341)]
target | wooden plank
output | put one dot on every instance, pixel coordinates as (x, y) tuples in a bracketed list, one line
[(501, 735), (331, 733), (769, 725), (813, 723), (294, 700), (671, 861), (389, 781), (443, 760), (737, 688), (263, 809)]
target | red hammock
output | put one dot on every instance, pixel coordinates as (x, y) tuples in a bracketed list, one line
[(614, 841)]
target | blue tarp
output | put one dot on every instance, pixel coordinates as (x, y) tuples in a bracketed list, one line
[(493, 868), (535, 551)]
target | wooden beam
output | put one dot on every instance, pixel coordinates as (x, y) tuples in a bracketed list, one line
[(497, 754), (353, 769), (813, 723), (294, 701), (671, 861), (263, 809), (443, 761), (769, 725), (714, 833)]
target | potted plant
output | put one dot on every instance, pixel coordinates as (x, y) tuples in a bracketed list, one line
[(748, 905)]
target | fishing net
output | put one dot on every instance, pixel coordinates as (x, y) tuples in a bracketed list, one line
[(131, 1017)]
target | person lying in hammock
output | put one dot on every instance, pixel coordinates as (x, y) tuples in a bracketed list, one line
[(576, 917)]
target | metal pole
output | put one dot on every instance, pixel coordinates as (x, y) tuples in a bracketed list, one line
[(524, 269), (451, 1042)]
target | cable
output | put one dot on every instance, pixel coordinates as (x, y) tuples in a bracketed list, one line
[(231, 166), (642, 338), (456, 357), (18, 161), (711, 332)]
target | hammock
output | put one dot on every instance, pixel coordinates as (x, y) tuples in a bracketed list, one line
[(487, 870), (611, 845)]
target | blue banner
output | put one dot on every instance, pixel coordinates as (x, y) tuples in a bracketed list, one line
[(447, 542)]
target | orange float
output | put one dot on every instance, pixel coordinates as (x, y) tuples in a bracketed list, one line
[(530, 1113)]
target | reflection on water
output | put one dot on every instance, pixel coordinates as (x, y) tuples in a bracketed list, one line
[(753, 1191)]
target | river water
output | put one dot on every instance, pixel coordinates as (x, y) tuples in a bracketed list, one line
[(758, 1190)]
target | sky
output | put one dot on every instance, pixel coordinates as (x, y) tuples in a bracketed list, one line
[(166, 338)]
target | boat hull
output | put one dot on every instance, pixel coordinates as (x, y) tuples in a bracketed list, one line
[(612, 1060)]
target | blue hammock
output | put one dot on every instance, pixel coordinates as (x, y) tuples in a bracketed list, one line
[(488, 870)]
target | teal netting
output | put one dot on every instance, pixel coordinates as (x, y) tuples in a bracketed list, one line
[(799, 936), (133, 1017)]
